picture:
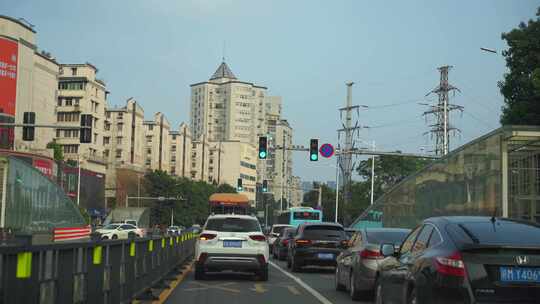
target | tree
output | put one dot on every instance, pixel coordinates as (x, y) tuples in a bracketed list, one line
[(521, 85), (192, 209), (328, 201), (58, 151)]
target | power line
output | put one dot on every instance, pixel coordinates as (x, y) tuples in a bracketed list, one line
[(395, 104)]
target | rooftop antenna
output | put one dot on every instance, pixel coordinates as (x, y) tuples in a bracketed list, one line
[(223, 54)]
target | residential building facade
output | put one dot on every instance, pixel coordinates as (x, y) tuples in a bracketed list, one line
[(158, 151), (181, 149), (225, 108), (80, 92)]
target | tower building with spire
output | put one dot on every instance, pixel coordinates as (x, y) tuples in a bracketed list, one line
[(225, 108)]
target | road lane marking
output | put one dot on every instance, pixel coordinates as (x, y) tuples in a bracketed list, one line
[(259, 288), (308, 288), (293, 290), (164, 295), (217, 286)]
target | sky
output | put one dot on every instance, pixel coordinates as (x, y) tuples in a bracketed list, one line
[(303, 50)]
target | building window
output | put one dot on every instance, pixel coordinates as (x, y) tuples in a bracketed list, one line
[(105, 153), (119, 153), (119, 140), (149, 139), (107, 126), (148, 162), (59, 102), (150, 127), (119, 126), (148, 151), (108, 114), (173, 148), (173, 158), (57, 133), (106, 140), (71, 149), (69, 101), (120, 115), (72, 85), (74, 71)]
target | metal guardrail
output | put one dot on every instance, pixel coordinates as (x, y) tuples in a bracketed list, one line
[(116, 271)]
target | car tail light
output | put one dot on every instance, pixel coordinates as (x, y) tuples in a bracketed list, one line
[(370, 254), (207, 236), (303, 242), (452, 265), (202, 257), (285, 242), (258, 237)]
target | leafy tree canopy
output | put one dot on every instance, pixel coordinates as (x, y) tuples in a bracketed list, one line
[(521, 85)]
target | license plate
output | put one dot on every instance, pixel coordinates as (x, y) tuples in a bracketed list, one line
[(325, 256), (233, 244), (520, 275)]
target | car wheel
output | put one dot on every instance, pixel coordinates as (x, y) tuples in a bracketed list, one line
[(199, 273), (294, 265), (338, 285), (412, 298), (105, 238), (263, 274), (114, 237), (355, 294)]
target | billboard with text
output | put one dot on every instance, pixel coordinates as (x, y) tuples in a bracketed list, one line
[(8, 89)]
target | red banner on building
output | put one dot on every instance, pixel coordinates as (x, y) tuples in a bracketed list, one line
[(45, 166), (8, 89)]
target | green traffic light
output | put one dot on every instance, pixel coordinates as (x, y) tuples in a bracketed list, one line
[(262, 154), (314, 157)]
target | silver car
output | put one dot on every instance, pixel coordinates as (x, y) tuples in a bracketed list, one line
[(357, 266)]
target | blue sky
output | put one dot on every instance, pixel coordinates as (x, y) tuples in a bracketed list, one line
[(304, 51)]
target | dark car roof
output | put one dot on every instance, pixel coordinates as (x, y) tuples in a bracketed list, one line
[(387, 230), (322, 224), (476, 219)]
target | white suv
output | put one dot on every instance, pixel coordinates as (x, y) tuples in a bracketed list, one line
[(231, 242)]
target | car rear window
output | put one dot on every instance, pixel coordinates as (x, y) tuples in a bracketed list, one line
[(324, 233), (233, 224), (381, 237), (497, 232), (278, 229)]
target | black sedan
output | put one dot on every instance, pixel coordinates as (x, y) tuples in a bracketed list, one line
[(316, 244), (281, 244), (463, 260)]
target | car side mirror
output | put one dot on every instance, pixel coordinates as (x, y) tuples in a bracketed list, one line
[(387, 250)]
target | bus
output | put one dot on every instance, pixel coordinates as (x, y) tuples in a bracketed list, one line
[(229, 203), (295, 216)]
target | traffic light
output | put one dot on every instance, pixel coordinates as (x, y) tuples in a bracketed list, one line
[(85, 134), (263, 145), (314, 150), (28, 132), (239, 187), (265, 186)]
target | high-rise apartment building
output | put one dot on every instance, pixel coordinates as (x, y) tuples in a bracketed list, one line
[(225, 108), (282, 166), (29, 81), (158, 151), (181, 149), (81, 92)]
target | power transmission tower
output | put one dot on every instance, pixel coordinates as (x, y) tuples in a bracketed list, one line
[(442, 128), (345, 160)]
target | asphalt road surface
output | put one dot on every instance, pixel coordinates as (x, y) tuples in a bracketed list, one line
[(312, 285)]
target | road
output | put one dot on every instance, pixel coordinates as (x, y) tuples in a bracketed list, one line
[(313, 285)]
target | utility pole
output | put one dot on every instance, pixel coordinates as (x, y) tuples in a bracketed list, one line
[(345, 159), (441, 128), (372, 172), (283, 155), (319, 200)]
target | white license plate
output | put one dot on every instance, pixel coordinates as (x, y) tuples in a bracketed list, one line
[(325, 256), (232, 244)]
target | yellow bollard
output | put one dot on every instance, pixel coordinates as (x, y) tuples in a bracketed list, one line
[(24, 265), (151, 245), (96, 256), (132, 249)]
